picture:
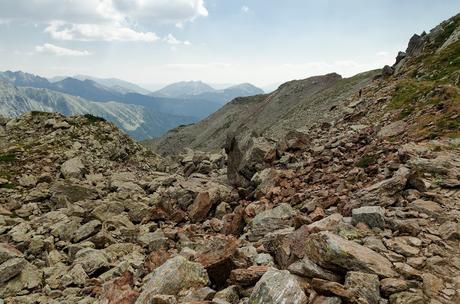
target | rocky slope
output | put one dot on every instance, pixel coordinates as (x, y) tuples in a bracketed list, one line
[(361, 208), (294, 105)]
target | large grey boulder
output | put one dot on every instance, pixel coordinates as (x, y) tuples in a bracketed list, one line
[(11, 268), (271, 220), (246, 156), (278, 287), (175, 275), (73, 168), (330, 250), (372, 216), (91, 259)]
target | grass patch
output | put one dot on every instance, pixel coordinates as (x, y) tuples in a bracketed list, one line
[(366, 161), (93, 119), (7, 186), (408, 92), (7, 158)]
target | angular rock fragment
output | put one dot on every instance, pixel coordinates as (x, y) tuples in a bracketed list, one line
[(173, 276), (277, 287), (267, 221), (307, 268), (73, 168), (372, 216), (330, 250), (364, 286)]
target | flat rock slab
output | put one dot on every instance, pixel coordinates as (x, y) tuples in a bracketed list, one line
[(329, 250)]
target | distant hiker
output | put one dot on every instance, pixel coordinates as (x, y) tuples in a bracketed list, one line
[(360, 93)]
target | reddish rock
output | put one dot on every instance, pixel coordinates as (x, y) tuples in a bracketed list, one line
[(119, 291), (155, 259), (247, 276), (216, 257), (233, 223), (331, 288), (200, 207)]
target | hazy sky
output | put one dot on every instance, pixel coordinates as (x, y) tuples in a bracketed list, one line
[(217, 41)]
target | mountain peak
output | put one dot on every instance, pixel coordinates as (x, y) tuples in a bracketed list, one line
[(183, 88)]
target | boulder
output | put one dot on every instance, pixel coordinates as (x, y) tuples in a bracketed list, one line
[(332, 289), (329, 223), (87, 230), (278, 287), (216, 256), (271, 220), (11, 268), (245, 157), (372, 216), (119, 290), (175, 275), (381, 193), (8, 252), (247, 276), (387, 71), (91, 260), (330, 250), (307, 268), (389, 286), (199, 210), (227, 295), (449, 231), (393, 129), (29, 278), (428, 207), (73, 168), (364, 286)]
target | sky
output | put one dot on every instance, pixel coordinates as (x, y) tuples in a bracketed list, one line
[(263, 42)]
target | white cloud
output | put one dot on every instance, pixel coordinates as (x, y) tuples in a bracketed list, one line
[(101, 11), (104, 20), (94, 32), (245, 9), (60, 51), (170, 39)]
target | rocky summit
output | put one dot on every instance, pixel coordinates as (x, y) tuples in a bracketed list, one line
[(361, 204)]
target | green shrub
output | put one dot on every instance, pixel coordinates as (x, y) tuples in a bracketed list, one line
[(93, 119), (7, 158), (366, 161)]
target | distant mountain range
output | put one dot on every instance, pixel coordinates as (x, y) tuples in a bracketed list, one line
[(114, 84), (174, 105), (197, 90), (138, 121)]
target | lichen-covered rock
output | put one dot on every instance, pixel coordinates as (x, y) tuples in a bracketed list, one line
[(173, 276), (364, 285), (278, 287), (330, 250)]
